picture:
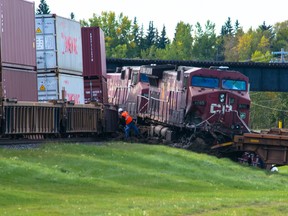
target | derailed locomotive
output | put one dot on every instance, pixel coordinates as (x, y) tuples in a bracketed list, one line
[(184, 101)]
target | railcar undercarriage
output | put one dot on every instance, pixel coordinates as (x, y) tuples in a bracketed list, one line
[(215, 143)]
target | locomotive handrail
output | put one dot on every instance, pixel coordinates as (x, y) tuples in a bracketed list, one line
[(176, 101), (162, 101), (206, 120), (117, 94), (248, 129), (146, 104)]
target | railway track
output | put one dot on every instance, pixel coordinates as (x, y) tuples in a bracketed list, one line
[(30, 143)]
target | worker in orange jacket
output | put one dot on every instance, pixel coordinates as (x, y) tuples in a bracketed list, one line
[(129, 122)]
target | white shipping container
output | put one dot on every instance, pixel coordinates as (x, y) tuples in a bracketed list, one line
[(58, 44), (50, 87)]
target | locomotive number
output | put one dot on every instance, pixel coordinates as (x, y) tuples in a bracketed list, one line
[(218, 108)]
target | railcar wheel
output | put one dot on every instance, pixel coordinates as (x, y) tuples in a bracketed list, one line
[(199, 145)]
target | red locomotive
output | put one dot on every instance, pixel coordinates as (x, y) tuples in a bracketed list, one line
[(186, 99)]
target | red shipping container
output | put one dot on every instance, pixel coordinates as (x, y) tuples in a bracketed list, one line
[(20, 84), (95, 90), (17, 34), (94, 54)]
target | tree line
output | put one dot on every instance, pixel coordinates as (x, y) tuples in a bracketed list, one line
[(126, 38)]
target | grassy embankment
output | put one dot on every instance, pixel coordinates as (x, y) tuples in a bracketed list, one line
[(134, 179)]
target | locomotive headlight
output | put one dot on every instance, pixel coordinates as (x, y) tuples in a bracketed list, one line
[(242, 115), (243, 106), (222, 98)]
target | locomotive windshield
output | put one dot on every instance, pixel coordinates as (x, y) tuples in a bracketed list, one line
[(239, 85), (134, 78), (144, 78), (207, 82)]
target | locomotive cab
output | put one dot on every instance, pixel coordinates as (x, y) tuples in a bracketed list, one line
[(218, 100)]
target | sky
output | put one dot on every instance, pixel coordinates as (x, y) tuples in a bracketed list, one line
[(249, 13)]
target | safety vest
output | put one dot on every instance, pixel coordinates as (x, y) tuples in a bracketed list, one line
[(127, 117)]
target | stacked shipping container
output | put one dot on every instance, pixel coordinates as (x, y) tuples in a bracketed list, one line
[(59, 58), (94, 65), (18, 54)]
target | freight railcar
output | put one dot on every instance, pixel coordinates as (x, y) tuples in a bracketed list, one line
[(60, 118), (184, 99)]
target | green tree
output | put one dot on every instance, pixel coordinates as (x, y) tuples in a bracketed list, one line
[(151, 38), (258, 56), (262, 113), (228, 40), (149, 53), (181, 47), (135, 38), (237, 26), (261, 43), (142, 38), (244, 47), (163, 40), (230, 48), (267, 31), (227, 28), (43, 8), (281, 36), (117, 30), (72, 16), (204, 42)]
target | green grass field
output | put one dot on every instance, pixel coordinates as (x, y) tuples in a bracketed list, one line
[(134, 179)]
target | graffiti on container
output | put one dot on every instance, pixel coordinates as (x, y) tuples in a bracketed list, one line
[(70, 44), (73, 97)]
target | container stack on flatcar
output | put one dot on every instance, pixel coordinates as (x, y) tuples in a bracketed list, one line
[(52, 56), (18, 55), (59, 59), (94, 64)]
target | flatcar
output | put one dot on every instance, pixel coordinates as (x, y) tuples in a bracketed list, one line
[(58, 118)]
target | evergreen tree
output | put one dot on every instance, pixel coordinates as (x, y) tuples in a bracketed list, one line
[(72, 16), (237, 26), (43, 8), (135, 45), (264, 27), (142, 38), (136, 32), (267, 31), (227, 28), (150, 39), (157, 38), (163, 40)]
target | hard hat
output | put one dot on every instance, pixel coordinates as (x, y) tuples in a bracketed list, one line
[(274, 169), (120, 110)]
